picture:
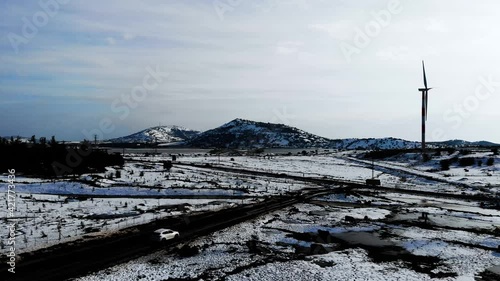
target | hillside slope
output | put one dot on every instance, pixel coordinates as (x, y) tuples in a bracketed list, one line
[(159, 134), (241, 133)]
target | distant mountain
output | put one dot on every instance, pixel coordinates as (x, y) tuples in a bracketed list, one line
[(245, 134), (241, 133), (159, 134), (393, 143), (372, 143), (462, 143)]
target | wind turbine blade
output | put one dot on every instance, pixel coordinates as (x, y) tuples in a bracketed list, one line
[(425, 78)]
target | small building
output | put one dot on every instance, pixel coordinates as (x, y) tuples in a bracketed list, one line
[(373, 182)]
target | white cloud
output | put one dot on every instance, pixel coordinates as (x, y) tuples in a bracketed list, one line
[(397, 53), (128, 36), (111, 40), (252, 61), (342, 30), (436, 25), (287, 48)]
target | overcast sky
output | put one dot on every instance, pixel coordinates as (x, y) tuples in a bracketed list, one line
[(338, 69)]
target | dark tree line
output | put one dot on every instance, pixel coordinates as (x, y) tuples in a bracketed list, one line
[(51, 158)]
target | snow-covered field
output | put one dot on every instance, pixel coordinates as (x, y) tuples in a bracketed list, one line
[(287, 246), (43, 220), (483, 172), (404, 172), (50, 212), (385, 239)]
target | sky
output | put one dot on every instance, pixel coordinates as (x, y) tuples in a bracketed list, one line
[(335, 68)]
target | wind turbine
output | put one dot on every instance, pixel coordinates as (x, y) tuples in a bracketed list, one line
[(425, 100)]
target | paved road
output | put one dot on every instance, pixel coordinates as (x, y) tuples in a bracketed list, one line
[(72, 260)]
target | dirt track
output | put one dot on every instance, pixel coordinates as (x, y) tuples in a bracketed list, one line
[(350, 184)]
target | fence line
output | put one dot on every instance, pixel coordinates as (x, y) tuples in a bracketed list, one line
[(39, 239)]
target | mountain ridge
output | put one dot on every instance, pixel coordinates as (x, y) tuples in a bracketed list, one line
[(247, 134), (241, 133), (158, 134)]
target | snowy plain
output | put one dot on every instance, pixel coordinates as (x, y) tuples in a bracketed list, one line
[(460, 236)]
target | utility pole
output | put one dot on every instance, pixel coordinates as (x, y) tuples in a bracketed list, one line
[(373, 167)]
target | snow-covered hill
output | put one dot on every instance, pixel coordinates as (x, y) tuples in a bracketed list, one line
[(245, 134), (159, 134), (372, 143), (462, 143), (241, 133)]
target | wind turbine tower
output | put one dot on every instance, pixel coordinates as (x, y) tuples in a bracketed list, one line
[(425, 92)]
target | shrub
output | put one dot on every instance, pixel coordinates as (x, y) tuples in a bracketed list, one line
[(450, 150), (490, 161), (466, 161), (445, 164), (188, 251), (167, 165), (464, 152), (258, 150), (426, 157), (216, 151)]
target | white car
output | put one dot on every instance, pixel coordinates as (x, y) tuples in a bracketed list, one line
[(164, 234)]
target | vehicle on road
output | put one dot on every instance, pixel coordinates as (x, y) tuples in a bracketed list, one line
[(164, 234)]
